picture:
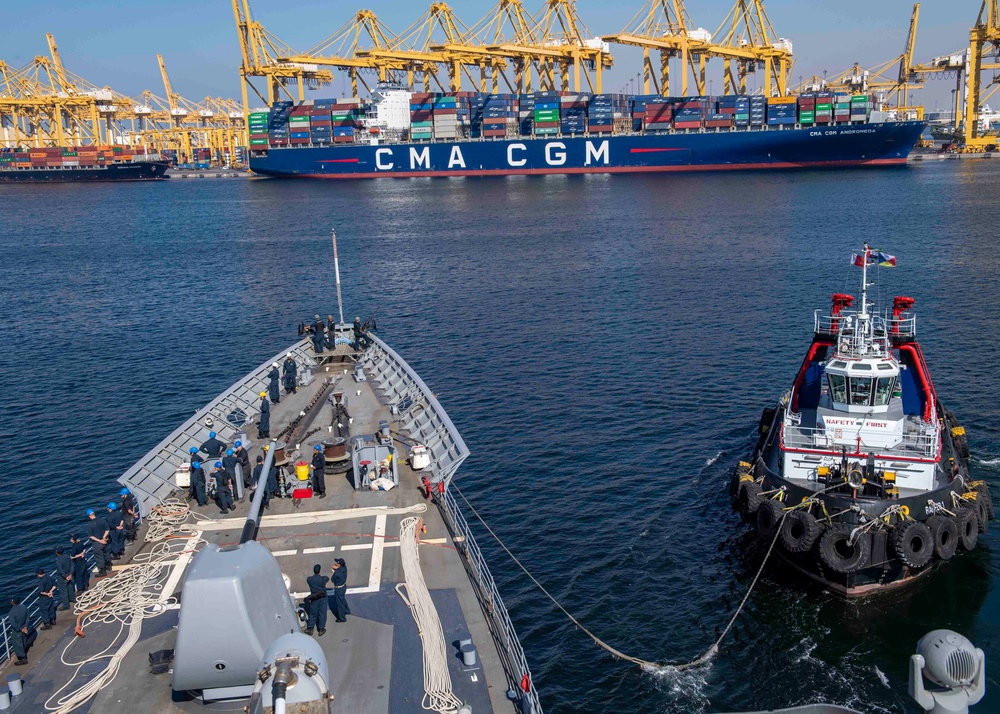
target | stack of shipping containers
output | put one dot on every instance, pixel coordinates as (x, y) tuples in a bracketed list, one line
[(690, 112), (859, 108), (277, 123), (807, 109), (526, 114), (824, 108), (70, 157), (422, 116), (320, 123), (345, 118), (758, 110), (603, 108), (298, 125), (781, 111), (257, 129), (573, 114), (546, 116), (498, 110), (658, 113)]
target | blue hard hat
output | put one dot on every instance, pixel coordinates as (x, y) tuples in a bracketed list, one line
[(238, 443), (318, 447), (193, 450), (218, 464), (229, 452), (90, 511), (112, 506), (211, 435), (123, 492), (196, 464)]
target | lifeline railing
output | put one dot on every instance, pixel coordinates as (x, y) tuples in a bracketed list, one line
[(924, 444), (420, 418)]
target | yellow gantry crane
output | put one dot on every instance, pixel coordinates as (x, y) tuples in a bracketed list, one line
[(983, 39), (749, 41)]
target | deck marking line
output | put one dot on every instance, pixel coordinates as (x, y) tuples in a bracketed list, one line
[(280, 553), (357, 546), (178, 569), (324, 549), (375, 575)]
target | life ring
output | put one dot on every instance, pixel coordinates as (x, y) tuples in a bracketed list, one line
[(839, 554), (944, 533), (799, 531), (968, 528), (768, 517), (749, 500), (913, 543)]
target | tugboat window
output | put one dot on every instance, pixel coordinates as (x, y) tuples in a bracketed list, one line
[(861, 391), (838, 388), (883, 391)]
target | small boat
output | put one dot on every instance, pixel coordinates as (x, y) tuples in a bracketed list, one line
[(860, 476)]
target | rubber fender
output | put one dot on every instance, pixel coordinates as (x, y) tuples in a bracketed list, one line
[(749, 500), (734, 484), (766, 417), (984, 493), (962, 445), (982, 513), (944, 534), (913, 544), (768, 517), (968, 528), (799, 531), (841, 556)]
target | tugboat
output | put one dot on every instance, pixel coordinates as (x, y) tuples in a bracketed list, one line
[(860, 474)]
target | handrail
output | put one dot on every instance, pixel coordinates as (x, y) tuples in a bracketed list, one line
[(924, 445)]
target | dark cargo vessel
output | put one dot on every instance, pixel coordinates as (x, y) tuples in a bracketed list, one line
[(80, 163)]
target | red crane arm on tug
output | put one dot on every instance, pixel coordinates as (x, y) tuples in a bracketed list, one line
[(840, 301)]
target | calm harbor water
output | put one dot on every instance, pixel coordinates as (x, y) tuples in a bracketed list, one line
[(605, 345)]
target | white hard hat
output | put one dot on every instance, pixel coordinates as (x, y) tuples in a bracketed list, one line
[(274, 364), (289, 354)]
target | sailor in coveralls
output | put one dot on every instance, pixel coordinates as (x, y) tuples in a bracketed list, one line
[(338, 578), (316, 603)]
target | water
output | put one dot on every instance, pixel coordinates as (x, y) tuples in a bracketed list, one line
[(605, 345)]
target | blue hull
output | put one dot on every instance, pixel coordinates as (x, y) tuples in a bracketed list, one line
[(827, 146)]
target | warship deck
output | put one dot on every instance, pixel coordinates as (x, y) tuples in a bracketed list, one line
[(375, 658)]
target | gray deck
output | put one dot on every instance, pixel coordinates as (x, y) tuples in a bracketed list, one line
[(376, 656)]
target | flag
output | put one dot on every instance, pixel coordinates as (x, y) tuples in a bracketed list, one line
[(857, 260), (886, 260)]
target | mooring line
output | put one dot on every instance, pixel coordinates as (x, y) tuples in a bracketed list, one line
[(618, 654)]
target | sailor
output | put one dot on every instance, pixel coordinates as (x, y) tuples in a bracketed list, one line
[(319, 470), (81, 571), (116, 532), (341, 419), (358, 333), (316, 602), (97, 535), (223, 488), (318, 339), (64, 578), (338, 578), (229, 462), (289, 371), (46, 599), (213, 447), (19, 636), (130, 513), (318, 325), (244, 458), (193, 451), (331, 326), (264, 422), (272, 387), (198, 484)]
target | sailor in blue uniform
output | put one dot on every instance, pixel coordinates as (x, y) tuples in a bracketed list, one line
[(18, 619), (272, 386), (198, 484), (130, 514), (116, 532), (229, 462), (319, 470), (81, 571), (223, 488), (97, 536), (358, 333), (268, 482), (316, 602), (46, 599), (318, 338), (289, 372), (264, 422), (64, 578), (213, 447), (244, 458), (193, 451), (338, 578)]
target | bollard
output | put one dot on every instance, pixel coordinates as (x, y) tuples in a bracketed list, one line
[(15, 684), (4, 698), (469, 655)]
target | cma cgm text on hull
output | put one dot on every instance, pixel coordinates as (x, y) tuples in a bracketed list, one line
[(872, 144)]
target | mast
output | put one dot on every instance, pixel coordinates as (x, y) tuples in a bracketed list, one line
[(863, 315), (336, 269)]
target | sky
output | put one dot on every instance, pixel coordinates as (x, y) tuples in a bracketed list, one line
[(115, 42)]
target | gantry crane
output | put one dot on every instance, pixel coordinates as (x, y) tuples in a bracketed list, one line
[(983, 39), (749, 40)]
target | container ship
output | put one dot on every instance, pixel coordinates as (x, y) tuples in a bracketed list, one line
[(404, 134), (80, 163)]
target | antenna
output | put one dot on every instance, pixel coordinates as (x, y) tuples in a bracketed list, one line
[(336, 269)]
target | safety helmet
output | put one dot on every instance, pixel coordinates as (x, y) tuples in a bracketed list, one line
[(123, 492), (218, 464), (229, 452), (196, 464), (289, 355), (90, 512), (238, 444), (317, 316), (112, 506), (318, 447), (193, 450), (274, 364), (211, 435), (263, 395)]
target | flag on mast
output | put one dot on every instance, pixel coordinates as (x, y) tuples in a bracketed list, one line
[(885, 260)]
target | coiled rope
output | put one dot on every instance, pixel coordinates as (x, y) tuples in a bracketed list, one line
[(438, 695), (129, 596), (618, 654)]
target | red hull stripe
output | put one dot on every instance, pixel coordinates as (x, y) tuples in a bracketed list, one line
[(653, 151), (602, 169), (339, 161)]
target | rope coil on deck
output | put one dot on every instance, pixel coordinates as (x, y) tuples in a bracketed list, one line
[(438, 695), (617, 654)]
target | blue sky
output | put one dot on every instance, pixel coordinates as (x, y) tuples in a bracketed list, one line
[(114, 42)]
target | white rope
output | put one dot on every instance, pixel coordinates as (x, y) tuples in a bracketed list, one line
[(132, 594), (438, 696)]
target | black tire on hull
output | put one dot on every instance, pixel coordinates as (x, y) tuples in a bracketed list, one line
[(968, 528), (913, 544), (944, 533), (984, 493), (982, 512), (768, 517), (799, 531), (841, 556), (749, 500)]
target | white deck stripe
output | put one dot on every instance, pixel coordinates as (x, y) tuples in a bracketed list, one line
[(375, 575), (357, 546), (324, 549), (181, 565), (304, 519), (280, 553)]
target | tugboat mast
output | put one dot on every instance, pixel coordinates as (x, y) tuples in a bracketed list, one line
[(863, 314)]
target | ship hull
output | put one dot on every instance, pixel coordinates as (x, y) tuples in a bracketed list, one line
[(137, 171), (832, 146)]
